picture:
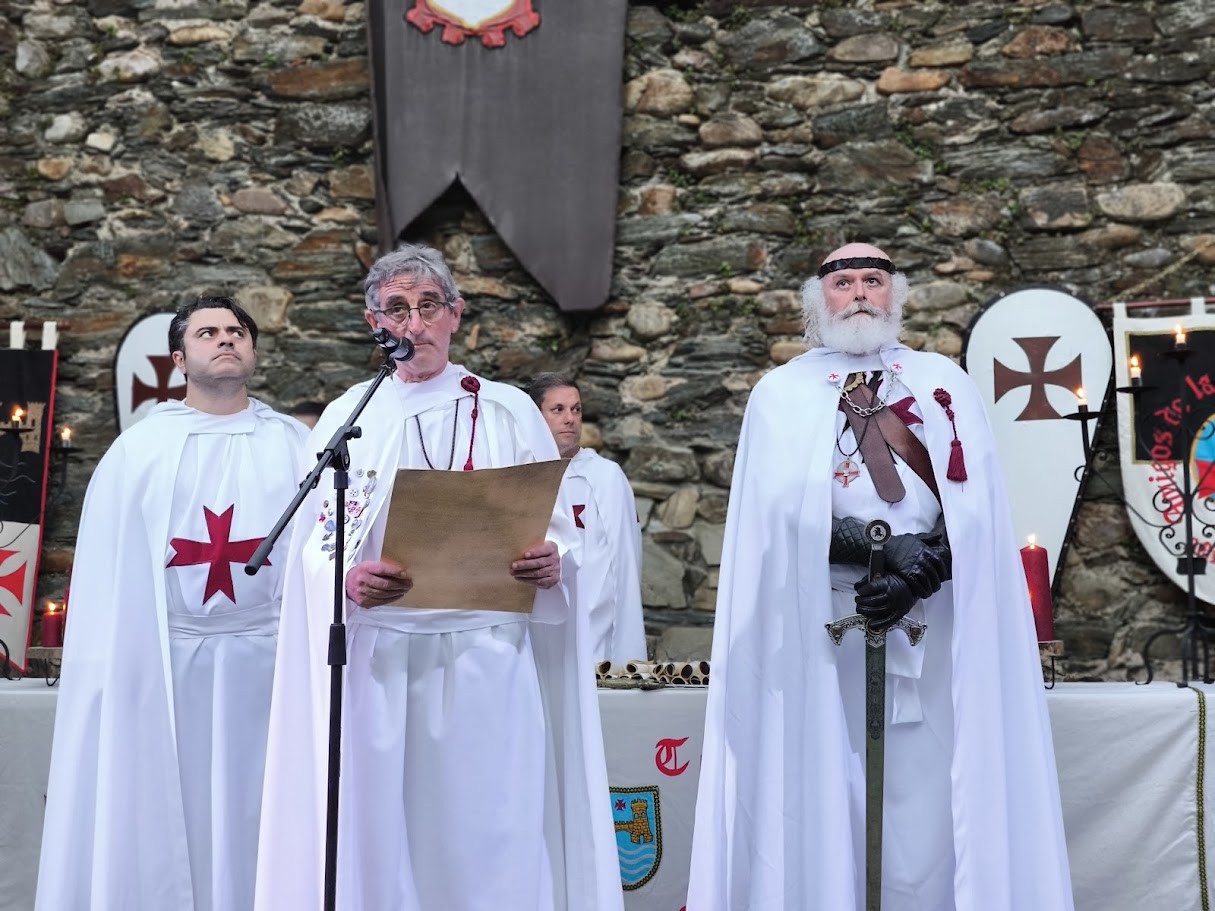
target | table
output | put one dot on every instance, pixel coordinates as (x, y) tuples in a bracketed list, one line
[(27, 719), (1129, 759), (1131, 768)]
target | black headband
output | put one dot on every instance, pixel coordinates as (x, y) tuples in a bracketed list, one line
[(856, 262)]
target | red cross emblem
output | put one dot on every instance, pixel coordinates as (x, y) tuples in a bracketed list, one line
[(578, 509), (1037, 378), (846, 472), (219, 551), (162, 364), (833, 376), (13, 582)]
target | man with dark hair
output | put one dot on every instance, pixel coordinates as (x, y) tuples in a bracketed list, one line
[(861, 429), (160, 731), (472, 765), (608, 582)]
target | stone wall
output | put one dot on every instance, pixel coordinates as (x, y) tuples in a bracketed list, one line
[(155, 149)]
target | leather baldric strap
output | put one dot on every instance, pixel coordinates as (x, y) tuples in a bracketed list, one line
[(894, 433)]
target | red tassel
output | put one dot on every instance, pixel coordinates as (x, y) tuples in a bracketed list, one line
[(473, 385), (957, 463)]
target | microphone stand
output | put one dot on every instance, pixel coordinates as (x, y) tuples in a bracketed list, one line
[(336, 455)]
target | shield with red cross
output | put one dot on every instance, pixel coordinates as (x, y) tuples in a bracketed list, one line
[(1029, 352), (144, 374)]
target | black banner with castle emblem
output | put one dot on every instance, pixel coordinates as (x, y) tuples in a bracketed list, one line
[(27, 381)]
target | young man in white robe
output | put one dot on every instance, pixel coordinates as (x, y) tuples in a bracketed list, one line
[(608, 581), (472, 765), (160, 730), (971, 813)]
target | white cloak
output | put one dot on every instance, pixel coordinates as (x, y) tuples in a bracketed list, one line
[(608, 584), (424, 690), (160, 726), (776, 826)]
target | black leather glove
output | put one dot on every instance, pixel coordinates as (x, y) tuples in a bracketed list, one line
[(923, 560), (884, 601)]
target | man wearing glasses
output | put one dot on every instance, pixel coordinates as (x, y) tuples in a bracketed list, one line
[(473, 773)]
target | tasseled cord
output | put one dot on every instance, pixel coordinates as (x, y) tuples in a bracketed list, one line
[(473, 385), (957, 464)]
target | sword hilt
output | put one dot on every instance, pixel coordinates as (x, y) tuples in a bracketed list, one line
[(837, 628), (877, 533)]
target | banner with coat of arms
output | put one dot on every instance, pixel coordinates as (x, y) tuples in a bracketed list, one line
[(1166, 436), (27, 379)]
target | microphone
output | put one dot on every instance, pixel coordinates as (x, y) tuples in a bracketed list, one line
[(399, 349)]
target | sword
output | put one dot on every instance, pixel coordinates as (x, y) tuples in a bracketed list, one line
[(877, 532)]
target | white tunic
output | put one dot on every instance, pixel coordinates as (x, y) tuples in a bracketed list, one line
[(608, 551), (473, 774), (160, 729), (779, 820)]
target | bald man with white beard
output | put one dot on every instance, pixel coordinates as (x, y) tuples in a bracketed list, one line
[(856, 429)]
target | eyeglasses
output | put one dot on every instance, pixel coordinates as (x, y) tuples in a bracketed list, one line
[(400, 314)]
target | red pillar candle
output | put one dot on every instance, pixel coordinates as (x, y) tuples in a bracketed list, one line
[(52, 626), (1037, 577)]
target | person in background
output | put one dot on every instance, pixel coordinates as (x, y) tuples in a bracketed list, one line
[(608, 581)]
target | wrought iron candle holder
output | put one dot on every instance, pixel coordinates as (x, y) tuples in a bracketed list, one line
[(1195, 632)]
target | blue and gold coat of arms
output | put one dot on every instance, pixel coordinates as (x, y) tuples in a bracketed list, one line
[(635, 812)]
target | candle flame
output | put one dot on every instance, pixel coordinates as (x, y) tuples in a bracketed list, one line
[(65, 434), (1134, 360), (1080, 396), (1179, 332), (1032, 539), (51, 607), (18, 414)]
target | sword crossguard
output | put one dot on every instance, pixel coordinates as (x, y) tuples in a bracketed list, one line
[(837, 628)]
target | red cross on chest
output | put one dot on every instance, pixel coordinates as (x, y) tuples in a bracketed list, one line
[(219, 552)]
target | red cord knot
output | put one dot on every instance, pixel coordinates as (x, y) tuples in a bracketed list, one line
[(473, 385)]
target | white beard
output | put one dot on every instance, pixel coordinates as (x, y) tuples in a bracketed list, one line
[(860, 333)]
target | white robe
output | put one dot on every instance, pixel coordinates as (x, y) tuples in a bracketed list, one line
[(160, 729), (608, 551), (473, 773), (778, 823)]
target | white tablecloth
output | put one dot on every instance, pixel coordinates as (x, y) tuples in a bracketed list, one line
[(1129, 757), (27, 720)]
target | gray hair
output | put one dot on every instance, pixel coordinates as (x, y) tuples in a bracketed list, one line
[(416, 262), (814, 304), (540, 386)]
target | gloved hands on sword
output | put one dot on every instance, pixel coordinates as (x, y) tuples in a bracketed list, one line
[(917, 565)]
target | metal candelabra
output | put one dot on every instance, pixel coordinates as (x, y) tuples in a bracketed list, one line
[(1181, 532)]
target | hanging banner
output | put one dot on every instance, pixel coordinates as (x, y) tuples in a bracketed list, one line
[(1029, 352), (27, 379), (1166, 436), (523, 106), (144, 374)]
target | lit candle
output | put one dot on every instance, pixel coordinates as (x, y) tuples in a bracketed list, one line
[(65, 437), (1037, 578), (1136, 371), (1178, 336), (1081, 399), (18, 415), (52, 626)]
